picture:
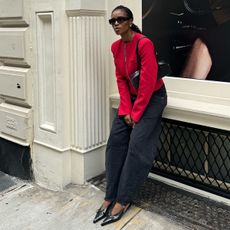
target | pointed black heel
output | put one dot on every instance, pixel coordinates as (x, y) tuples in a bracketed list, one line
[(102, 213), (113, 218)]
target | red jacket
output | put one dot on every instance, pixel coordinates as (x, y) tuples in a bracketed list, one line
[(126, 63)]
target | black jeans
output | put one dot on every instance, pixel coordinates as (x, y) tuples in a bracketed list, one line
[(131, 151)]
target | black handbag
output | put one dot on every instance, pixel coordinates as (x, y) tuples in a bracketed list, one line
[(163, 68)]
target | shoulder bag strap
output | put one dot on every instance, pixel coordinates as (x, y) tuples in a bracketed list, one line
[(137, 53)]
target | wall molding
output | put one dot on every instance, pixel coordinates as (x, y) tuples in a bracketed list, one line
[(46, 71), (16, 124), (85, 12), (70, 148), (52, 147), (12, 43)]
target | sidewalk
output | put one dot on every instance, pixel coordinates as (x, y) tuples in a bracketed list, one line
[(27, 206)]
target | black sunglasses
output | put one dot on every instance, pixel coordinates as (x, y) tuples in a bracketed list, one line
[(119, 20)]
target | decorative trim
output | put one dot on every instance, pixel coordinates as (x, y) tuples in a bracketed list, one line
[(52, 147), (83, 12), (15, 140), (46, 71), (67, 149), (89, 149), (16, 124)]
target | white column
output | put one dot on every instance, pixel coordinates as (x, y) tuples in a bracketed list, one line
[(88, 92), (87, 82)]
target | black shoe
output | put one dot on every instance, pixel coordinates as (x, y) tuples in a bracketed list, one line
[(113, 218), (102, 213)]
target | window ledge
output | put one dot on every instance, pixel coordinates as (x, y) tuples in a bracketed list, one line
[(191, 111)]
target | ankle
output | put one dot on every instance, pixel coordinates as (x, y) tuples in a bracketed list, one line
[(117, 208), (106, 204)]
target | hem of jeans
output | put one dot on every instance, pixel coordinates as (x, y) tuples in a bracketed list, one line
[(123, 203), (109, 200)]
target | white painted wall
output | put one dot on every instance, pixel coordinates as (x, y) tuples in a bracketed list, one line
[(15, 73), (70, 91), (53, 86)]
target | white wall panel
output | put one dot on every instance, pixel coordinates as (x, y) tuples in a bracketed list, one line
[(11, 8), (46, 71), (15, 123), (51, 73), (12, 42), (16, 83)]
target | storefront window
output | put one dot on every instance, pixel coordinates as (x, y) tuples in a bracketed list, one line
[(192, 36)]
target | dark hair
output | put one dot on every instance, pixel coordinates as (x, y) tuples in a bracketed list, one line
[(129, 15)]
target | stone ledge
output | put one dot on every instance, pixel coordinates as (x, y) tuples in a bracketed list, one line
[(196, 112)]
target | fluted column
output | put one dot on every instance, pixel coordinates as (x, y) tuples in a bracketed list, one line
[(88, 83), (88, 87)]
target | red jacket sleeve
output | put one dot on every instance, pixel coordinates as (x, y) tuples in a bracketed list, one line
[(148, 78), (125, 106)]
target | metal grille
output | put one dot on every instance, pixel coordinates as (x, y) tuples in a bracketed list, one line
[(195, 155), (186, 209)]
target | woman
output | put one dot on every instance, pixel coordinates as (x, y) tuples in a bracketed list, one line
[(131, 147)]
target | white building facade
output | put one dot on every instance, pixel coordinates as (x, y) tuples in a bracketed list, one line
[(57, 86)]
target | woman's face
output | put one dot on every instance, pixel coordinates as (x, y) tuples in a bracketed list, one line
[(120, 22)]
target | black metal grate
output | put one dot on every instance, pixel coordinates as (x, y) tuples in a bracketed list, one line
[(196, 155), (186, 209)]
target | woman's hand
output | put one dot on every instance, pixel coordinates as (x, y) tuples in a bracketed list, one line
[(129, 120)]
